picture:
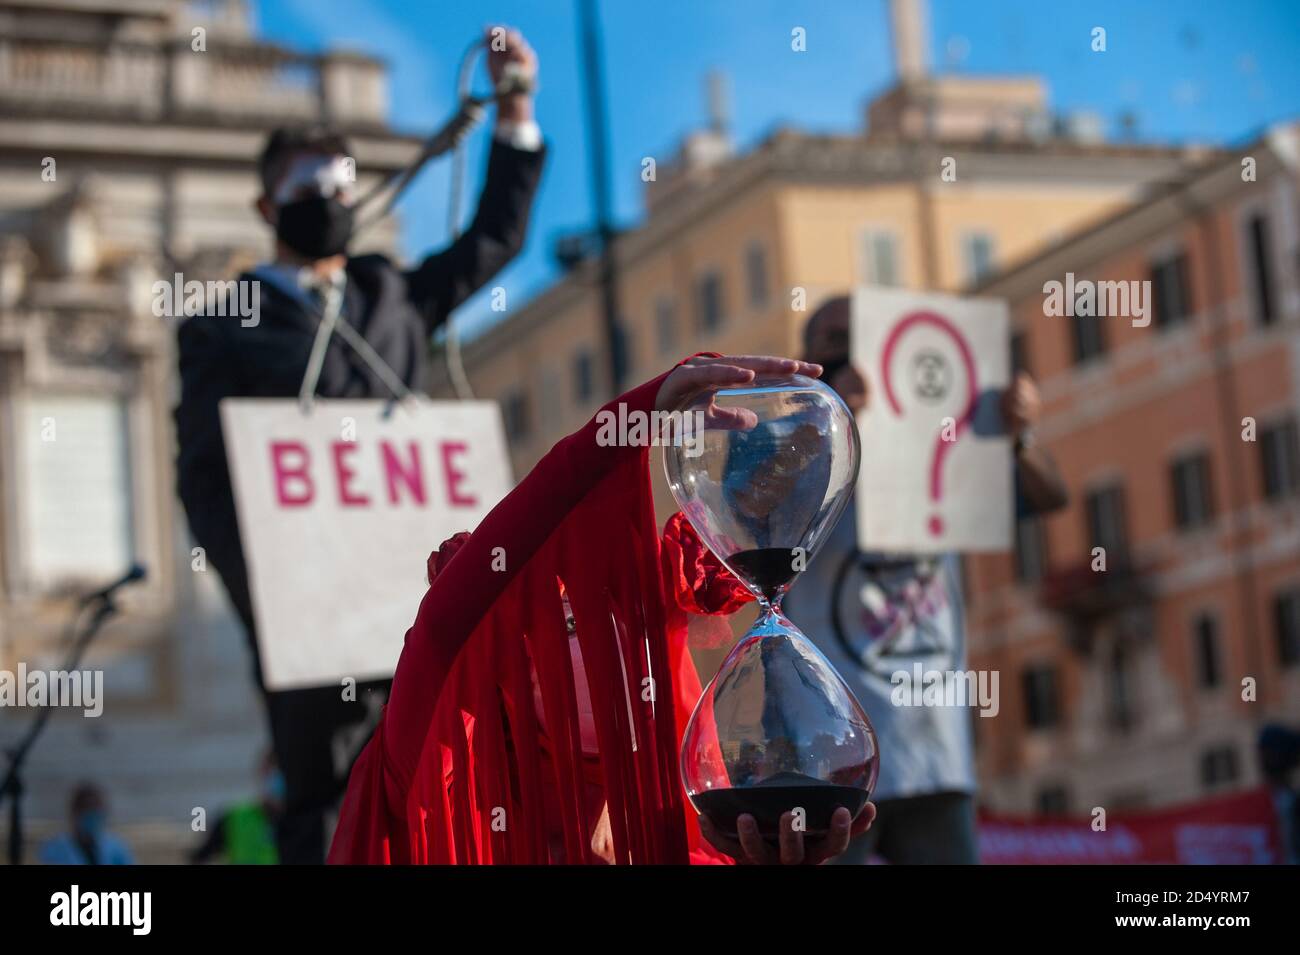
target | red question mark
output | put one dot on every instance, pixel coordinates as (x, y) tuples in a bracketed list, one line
[(941, 446)]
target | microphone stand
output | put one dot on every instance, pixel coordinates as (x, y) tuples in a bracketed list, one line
[(12, 787)]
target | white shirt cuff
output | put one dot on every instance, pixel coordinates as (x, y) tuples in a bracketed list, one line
[(526, 135)]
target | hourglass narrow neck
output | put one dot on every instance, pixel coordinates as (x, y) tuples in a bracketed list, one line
[(770, 615)]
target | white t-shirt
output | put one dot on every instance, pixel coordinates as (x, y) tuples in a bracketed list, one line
[(896, 610)]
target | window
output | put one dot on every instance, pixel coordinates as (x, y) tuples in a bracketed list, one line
[(76, 507), (1122, 705), (879, 258), (514, 408), (1205, 633), (584, 376), (977, 252), (710, 303), (1260, 266), (1031, 549), (1218, 766), (1173, 303), (1193, 498), (550, 393), (1279, 448), (1042, 710), (624, 349), (1053, 801), (665, 326), (1286, 624), (1088, 337), (756, 275), (1107, 524)]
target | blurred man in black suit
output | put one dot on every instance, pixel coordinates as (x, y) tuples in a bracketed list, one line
[(308, 198)]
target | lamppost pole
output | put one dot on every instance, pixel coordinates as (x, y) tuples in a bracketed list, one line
[(598, 143)]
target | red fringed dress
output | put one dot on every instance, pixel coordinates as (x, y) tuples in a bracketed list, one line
[(487, 752)]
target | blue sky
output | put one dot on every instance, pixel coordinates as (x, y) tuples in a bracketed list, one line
[(1190, 70)]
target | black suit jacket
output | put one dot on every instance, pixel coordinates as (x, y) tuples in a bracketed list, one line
[(395, 310)]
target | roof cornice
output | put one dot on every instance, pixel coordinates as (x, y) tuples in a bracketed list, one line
[(827, 160), (1165, 205)]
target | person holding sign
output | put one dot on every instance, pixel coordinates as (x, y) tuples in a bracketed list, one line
[(878, 615), (538, 706), (340, 326)]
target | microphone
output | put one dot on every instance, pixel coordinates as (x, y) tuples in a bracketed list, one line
[(137, 572)]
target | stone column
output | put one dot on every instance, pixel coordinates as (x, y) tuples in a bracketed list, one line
[(353, 89)]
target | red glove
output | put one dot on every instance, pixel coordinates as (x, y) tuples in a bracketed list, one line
[(697, 580)]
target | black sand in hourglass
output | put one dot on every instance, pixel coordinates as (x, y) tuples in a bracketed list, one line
[(769, 568), (769, 800)]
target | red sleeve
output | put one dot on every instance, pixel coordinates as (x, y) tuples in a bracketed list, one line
[(467, 587)]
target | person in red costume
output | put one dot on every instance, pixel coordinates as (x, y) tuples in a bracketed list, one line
[(539, 701)]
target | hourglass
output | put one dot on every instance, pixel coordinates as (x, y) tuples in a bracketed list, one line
[(765, 477)]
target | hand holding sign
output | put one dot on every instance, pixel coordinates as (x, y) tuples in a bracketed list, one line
[(936, 469)]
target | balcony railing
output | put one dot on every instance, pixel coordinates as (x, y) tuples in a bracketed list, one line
[(235, 81), (1088, 596), (39, 74)]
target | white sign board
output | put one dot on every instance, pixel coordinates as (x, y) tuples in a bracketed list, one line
[(936, 462), (339, 509)]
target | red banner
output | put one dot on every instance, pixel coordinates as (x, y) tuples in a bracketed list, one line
[(1241, 829)]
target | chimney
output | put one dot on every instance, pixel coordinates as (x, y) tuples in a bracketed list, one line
[(702, 152), (910, 30), (719, 102)]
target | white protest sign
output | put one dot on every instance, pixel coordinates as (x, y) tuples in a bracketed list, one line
[(339, 509), (936, 462)]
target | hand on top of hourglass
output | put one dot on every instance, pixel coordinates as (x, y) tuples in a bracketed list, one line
[(700, 374)]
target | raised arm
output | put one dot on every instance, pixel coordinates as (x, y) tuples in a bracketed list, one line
[(445, 279)]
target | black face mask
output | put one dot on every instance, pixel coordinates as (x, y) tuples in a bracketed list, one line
[(316, 227)]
